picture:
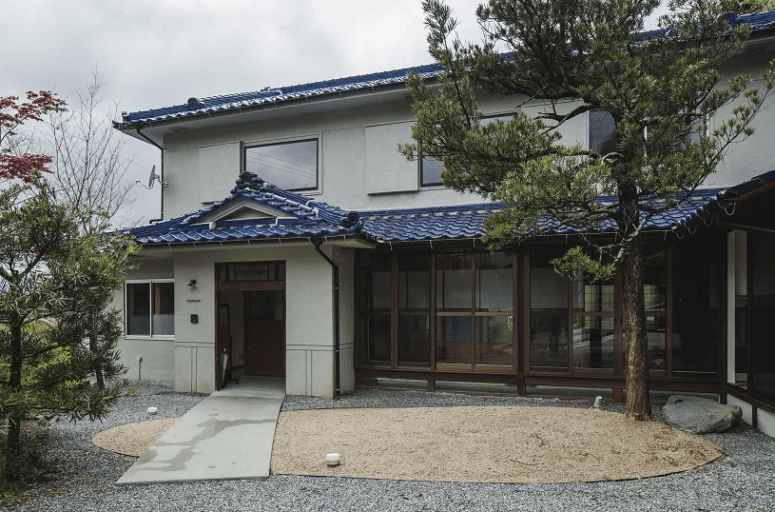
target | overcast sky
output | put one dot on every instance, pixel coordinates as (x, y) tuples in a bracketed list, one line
[(161, 52), (158, 53)]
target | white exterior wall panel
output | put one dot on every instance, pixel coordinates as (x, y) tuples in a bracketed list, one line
[(308, 299), (147, 358)]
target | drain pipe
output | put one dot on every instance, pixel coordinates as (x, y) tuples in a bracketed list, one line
[(318, 242)]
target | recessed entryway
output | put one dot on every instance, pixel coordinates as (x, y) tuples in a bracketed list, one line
[(250, 332)]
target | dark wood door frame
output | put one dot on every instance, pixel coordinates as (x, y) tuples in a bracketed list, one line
[(278, 284)]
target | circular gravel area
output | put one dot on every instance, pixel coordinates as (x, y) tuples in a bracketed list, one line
[(742, 480), (132, 439), (483, 444)]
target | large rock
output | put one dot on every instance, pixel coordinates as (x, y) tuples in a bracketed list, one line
[(700, 415)]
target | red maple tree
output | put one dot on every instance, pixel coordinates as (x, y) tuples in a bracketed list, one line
[(13, 114)]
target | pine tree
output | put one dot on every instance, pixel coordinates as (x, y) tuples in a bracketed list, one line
[(570, 58)]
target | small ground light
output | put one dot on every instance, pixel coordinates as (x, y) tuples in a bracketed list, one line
[(332, 459), (152, 410), (598, 400)]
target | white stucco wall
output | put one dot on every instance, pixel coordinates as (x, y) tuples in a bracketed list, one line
[(765, 422), (756, 154), (187, 358), (359, 166), (147, 358), (309, 326), (345, 260)]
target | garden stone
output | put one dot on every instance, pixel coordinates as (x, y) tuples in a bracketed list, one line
[(700, 415)]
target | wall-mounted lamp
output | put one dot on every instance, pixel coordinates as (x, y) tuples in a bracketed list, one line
[(192, 282)]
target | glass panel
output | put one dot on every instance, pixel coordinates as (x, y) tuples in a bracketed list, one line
[(548, 289), (593, 342), (548, 340), (494, 288), (656, 329), (548, 315), (655, 280), (695, 322), (254, 272), (596, 297), (292, 165), (453, 339), (379, 339), (251, 272), (164, 308), (762, 348), (602, 132), (762, 315), (430, 171), (453, 282), (138, 306), (414, 344), (378, 281), (266, 305), (414, 281), (495, 335)]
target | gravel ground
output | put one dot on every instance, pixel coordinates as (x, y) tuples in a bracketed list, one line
[(743, 480)]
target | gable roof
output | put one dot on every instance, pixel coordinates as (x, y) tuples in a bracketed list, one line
[(281, 215), (198, 107)]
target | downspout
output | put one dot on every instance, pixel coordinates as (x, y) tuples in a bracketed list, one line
[(318, 242), (161, 170)]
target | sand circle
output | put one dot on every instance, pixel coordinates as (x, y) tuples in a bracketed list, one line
[(133, 439), (483, 444)]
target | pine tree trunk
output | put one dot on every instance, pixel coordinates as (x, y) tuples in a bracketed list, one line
[(98, 374), (634, 305), (637, 384)]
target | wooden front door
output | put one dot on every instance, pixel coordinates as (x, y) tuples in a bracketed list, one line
[(265, 333)]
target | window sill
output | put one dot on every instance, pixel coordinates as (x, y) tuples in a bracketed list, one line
[(393, 192), (158, 337)]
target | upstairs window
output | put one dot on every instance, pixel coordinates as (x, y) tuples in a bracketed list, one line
[(602, 132), (431, 168), (289, 165), (430, 172)]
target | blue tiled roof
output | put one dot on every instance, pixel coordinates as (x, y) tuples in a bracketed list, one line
[(757, 21), (269, 96), (467, 221), (418, 224), (216, 104), (301, 217)]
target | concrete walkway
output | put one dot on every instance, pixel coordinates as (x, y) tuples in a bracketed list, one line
[(227, 435)]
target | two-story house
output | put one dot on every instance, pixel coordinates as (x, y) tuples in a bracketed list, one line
[(296, 240)]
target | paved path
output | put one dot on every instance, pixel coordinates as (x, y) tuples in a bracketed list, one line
[(227, 435)]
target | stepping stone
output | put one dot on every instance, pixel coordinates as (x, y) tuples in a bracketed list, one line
[(700, 415)]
